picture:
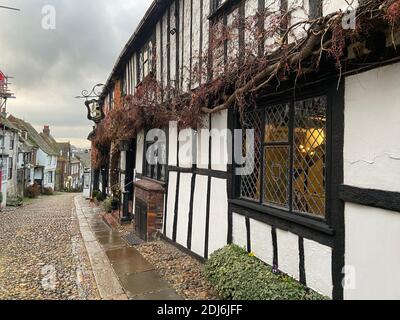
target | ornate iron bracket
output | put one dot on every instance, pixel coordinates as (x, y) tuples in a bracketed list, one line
[(94, 94), (94, 105)]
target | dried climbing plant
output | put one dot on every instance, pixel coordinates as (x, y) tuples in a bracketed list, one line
[(275, 49)]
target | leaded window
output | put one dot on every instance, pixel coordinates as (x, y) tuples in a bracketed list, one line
[(289, 156), (155, 170)]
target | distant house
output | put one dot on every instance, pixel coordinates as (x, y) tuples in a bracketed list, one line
[(63, 165), (63, 158), (8, 158), (26, 163), (76, 173), (45, 164)]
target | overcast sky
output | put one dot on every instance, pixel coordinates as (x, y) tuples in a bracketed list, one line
[(51, 67)]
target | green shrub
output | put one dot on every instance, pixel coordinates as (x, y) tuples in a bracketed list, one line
[(107, 205), (14, 201), (111, 204), (100, 197), (32, 191), (48, 191), (95, 194), (237, 275)]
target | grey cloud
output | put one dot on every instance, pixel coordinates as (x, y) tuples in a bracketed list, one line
[(52, 66)]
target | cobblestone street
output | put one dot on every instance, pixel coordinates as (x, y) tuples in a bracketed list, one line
[(42, 255)]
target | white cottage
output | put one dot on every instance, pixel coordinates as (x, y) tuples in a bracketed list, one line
[(322, 203), (45, 157), (9, 157)]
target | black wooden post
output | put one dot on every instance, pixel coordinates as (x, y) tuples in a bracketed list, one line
[(124, 147), (104, 181), (126, 216), (96, 180)]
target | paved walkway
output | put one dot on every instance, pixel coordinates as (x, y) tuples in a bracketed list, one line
[(120, 271)]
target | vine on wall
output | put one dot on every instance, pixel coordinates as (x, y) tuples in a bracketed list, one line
[(273, 52)]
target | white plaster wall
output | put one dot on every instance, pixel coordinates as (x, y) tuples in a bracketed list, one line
[(288, 253), (318, 267), (372, 252), (187, 148), (233, 45), (251, 41), (183, 208), (134, 68), (186, 45), (41, 158), (251, 7), (171, 204), (300, 12), (199, 215), (165, 47), (46, 182), (218, 215), (158, 52), (335, 5), (219, 147), (271, 40), (206, 24), (372, 128), (203, 144), (261, 241), (239, 230), (139, 151), (173, 145), (4, 192), (196, 37), (172, 62)]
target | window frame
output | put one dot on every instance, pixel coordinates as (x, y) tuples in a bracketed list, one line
[(12, 141), (334, 131), (10, 166), (146, 166)]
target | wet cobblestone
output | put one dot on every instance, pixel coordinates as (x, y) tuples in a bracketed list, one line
[(42, 256)]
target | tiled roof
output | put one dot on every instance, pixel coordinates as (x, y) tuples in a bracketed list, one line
[(84, 159), (9, 125), (51, 142), (33, 136)]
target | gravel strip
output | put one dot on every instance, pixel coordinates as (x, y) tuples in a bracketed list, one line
[(42, 256), (182, 271)]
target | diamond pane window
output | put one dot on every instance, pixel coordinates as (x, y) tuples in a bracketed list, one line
[(276, 177), (277, 123), (290, 162), (309, 156), (250, 184)]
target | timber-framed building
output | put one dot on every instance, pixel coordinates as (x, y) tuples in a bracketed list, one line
[(322, 203)]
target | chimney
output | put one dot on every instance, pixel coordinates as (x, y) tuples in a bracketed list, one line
[(46, 131)]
